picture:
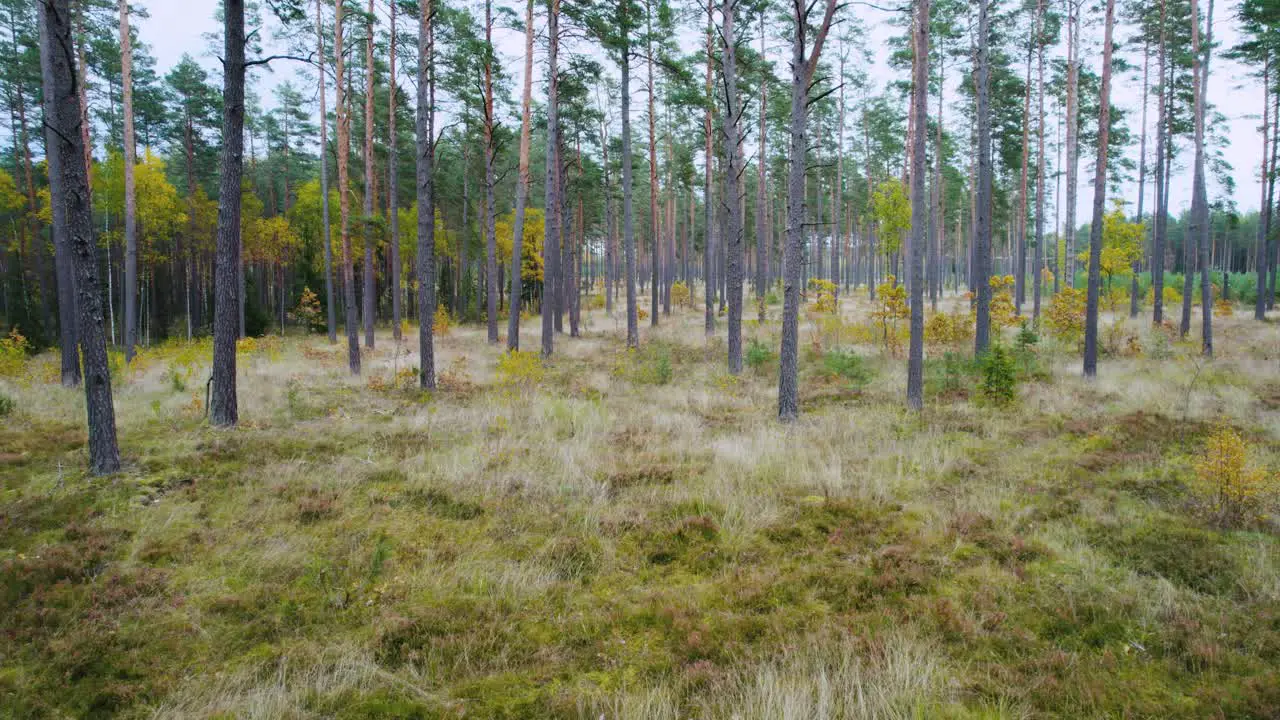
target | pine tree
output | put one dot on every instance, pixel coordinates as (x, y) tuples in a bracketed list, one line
[(69, 190), (1099, 200), (804, 62)]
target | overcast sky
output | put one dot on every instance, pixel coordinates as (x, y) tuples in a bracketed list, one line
[(176, 27)]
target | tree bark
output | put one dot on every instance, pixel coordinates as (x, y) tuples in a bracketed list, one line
[(344, 200), (1262, 253), (1099, 201), (982, 225), (919, 204), (551, 241), (393, 185), (1134, 287), (708, 242), (130, 196), (762, 194), (331, 302), (1073, 127), (1199, 201), (64, 142), (655, 240), (426, 260), (1037, 279), (802, 69), (490, 151), (733, 178), (223, 403), (522, 186), (369, 289), (1162, 179)]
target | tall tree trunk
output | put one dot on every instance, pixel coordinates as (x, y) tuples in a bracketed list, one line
[(223, 403), (733, 178), (1020, 226), (936, 229), (1099, 201), (1162, 179), (425, 178), (1262, 254), (522, 185), (369, 289), (551, 242), (393, 185), (1073, 128), (1134, 287), (490, 151), (63, 260), (762, 194), (130, 196), (64, 142), (919, 204), (802, 69), (982, 225), (1199, 201), (1037, 280), (344, 200), (708, 241), (331, 302), (655, 239)]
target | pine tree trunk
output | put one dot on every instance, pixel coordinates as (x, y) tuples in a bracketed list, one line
[(655, 259), (762, 196), (63, 258), (1134, 287), (802, 69), (1199, 226), (426, 260), (393, 186), (1073, 142), (522, 187), (1262, 255), (919, 204), (551, 242), (130, 196), (1037, 278), (331, 301), (982, 226), (490, 151), (708, 242), (1161, 214), (1020, 261), (1099, 201), (64, 143), (344, 202), (733, 178), (369, 287)]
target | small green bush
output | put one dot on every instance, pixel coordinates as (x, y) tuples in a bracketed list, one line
[(653, 366), (7, 406), (847, 365), (758, 355), (999, 376), (952, 375)]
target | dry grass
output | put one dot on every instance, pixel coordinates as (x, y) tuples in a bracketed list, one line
[(605, 545)]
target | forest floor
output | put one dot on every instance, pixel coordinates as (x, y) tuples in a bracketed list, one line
[(634, 535)]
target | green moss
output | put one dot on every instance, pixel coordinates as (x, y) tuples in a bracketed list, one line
[(1191, 557)]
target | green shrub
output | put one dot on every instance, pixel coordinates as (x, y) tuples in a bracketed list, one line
[(951, 375), (847, 365), (7, 406), (772, 298), (1027, 335), (653, 366), (999, 376), (758, 355)]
